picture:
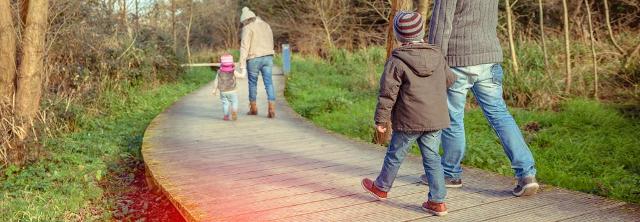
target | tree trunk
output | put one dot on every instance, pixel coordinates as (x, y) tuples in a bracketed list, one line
[(567, 46), (173, 26), (7, 54), (405, 5), (137, 24), (390, 37), (593, 51), (423, 8), (395, 6), (382, 138), (24, 7), (29, 84), (542, 35), (189, 31), (608, 21), (512, 47)]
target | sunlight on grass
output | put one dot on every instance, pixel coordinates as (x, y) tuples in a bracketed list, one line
[(586, 145), (66, 184)]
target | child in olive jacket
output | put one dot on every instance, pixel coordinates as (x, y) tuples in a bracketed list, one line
[(413, 97)]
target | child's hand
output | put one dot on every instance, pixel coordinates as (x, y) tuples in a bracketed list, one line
[(381, 128)]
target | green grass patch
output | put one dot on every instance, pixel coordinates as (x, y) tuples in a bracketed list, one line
[(584, 145), (68, 183)]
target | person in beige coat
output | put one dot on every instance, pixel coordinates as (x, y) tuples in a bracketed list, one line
[(256, 56)]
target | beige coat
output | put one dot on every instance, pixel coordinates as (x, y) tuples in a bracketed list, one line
[(256, 41)]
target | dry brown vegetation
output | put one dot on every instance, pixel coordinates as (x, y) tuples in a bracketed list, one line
[(75, 52)]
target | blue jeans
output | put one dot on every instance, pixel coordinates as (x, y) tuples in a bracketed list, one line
[(485, 81), (229, 98), (429, 143), (263, 65)]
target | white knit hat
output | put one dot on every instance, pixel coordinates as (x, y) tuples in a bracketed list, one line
[(246, 14)]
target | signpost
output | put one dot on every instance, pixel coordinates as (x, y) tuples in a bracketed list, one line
[(286, 59)]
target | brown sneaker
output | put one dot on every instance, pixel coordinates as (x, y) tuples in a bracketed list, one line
[(367, 185), (234, 116), (438, 209), (272, 110), (253, 108)]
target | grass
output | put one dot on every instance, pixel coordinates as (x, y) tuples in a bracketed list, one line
[(580, 145), (69, 182)]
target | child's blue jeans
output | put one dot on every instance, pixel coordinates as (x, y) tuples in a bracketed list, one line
[(429, 143), (229, 98)]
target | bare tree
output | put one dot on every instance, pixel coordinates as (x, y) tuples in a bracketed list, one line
[(332, 16), (593, 51), (567, 46), (423, 8), (381, 138), (543, 36), (29, 84), (188, 37), (390, 39), (173, 26), (512, 47), (7, 53), (608, 22)]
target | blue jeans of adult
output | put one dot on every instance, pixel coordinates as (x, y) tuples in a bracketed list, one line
[(262, 65), (429, 143), (485, 81), (229, 99)]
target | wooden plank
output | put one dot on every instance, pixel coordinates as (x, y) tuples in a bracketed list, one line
[(625, 212), (286, 169)]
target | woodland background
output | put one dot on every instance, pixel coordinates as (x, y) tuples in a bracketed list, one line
[(58, 55), (67, 65)]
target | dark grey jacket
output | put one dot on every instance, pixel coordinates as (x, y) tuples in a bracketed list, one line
[(413, 89), (465, 30)]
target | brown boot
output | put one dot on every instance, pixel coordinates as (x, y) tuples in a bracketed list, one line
[(272, 110), (234, 116), (253, 109)]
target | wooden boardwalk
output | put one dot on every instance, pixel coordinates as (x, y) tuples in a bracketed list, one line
[(285, 169)]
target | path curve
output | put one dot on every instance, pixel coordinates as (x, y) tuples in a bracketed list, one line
[(286, 169)]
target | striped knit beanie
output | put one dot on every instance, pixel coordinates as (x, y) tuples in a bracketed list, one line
[(408, 26)]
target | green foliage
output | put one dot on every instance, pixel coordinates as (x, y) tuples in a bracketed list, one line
[(66, 184), (585, 145)]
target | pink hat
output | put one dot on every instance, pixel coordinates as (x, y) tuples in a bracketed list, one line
[(226, 63)]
